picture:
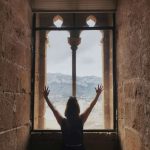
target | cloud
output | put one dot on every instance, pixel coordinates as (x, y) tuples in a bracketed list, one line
[(88, 54)]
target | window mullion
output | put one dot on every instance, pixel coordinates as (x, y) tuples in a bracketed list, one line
[(74, 40)]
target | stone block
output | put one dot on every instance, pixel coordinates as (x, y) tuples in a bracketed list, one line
[(20, 80), (14, 78), (14, 110), (22, 138), (7, 107), (146, 63), (25, 81), (17, 53), (15, 48), (8, 140), (129, 90), (128, 117), (8, 76), (146, 136), (22, 112), (15, 139), (138, 117), (132, 140), (121, 130), (120, 103)]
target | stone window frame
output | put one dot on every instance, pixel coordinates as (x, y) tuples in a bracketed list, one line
[(37, 123)]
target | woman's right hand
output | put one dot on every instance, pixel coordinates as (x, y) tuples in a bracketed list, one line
[(99, 89), (46, 92)]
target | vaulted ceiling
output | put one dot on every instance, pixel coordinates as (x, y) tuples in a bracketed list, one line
[(73, 5)]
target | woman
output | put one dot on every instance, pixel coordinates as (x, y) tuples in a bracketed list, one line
[(72, 125)]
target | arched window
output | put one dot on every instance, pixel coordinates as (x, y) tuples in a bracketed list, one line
[(73, 53)]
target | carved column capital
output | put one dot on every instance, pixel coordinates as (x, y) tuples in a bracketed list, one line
[(74, 40)]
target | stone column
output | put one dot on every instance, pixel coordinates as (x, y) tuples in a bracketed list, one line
[(39, 103), (36, 81), (42, 72), (108, 82), (74, 40)]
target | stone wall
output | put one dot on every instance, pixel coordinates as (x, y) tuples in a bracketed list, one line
[(15, 73), (133, 73)]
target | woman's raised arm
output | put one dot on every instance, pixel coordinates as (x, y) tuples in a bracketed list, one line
[(86, 113), (57, 115)]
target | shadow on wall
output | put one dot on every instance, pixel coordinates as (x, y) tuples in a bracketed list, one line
[(119, 144), (93, 141)]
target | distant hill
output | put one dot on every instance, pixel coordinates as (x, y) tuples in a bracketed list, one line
[(61, 85)]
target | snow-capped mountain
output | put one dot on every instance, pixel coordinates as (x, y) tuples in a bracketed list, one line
[(61, 85)]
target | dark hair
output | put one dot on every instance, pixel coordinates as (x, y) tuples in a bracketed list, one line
[(72, 108)]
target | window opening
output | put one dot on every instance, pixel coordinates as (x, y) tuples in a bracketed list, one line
[(91, 21), (58, 74), (72, 60), (89, 74), (58, 21)]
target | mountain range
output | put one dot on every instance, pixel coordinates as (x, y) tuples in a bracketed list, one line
[(61, 85)]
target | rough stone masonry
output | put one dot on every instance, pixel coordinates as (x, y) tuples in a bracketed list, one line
[(133, 73), (15, 73)]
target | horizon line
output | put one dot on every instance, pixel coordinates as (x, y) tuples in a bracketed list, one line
[(77, 75)]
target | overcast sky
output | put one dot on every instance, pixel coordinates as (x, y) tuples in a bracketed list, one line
[(89, 53)]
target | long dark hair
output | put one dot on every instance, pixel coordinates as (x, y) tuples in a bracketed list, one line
[(72, 108)]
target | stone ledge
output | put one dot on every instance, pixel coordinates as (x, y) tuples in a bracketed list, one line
[(53, 140)]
